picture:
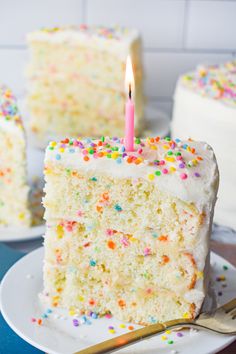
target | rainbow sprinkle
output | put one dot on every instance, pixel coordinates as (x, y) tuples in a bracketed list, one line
[(214, 81), (115, 33), (8, 106), (164, 156)]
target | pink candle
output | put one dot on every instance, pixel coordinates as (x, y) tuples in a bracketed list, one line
[(129, 125), (129, 110)]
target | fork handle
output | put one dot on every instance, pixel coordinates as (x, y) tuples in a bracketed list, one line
[(126, 339)]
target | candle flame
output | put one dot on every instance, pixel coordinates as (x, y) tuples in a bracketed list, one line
[(129, 76)]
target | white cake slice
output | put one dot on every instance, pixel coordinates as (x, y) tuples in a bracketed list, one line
[(128, 232), (76, 81), (13, 186)]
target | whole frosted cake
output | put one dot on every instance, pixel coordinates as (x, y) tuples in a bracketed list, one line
[(77, 81), (205, 108), (128, 232), (13, 186)]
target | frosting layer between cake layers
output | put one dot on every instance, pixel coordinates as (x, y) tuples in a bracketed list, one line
[(205, 108)]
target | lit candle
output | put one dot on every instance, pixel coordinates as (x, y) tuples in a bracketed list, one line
[(129, 108)]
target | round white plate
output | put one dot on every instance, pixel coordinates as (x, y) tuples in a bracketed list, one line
[(35, 159), (14, 234), (57, 335)]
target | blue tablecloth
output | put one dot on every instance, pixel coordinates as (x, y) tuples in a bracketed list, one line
[(10, 343)]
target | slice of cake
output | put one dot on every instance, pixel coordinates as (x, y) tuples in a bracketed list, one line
[(205, 108), (128, 232), (77, 81), (13, 187)]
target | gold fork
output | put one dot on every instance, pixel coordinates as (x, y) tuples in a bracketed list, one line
[(222, 320)]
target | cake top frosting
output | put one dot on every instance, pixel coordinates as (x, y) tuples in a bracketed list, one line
[(72, 34), (9, 112), (117, 32), (186, 169), (215, 81), (115, 39)]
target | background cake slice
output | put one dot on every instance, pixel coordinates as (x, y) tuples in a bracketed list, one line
[(205, 108), (128, 232), (77, 80), (13, 186)]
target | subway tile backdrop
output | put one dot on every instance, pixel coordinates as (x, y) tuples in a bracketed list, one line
[(176, 34)]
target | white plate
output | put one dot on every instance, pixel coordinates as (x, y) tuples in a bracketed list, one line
[(57, 335), (157, 122), (12, 234), (35, 179)]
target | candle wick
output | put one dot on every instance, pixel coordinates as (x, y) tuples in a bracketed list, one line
[(130, 96)]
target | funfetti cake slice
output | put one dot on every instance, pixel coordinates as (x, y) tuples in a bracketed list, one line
[(13, 186), (128, 232), (76, 81)]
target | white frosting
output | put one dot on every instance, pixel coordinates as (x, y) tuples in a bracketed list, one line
[(10, 119), (217, 82), (194, 295), (12, 128), (199, 190), (201, 117), (117, 40)]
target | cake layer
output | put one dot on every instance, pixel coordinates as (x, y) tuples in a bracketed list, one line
[(127, 303), (154, 259), (185, 169), (128, 237), (76, 97), (109, 72), (50, 103)]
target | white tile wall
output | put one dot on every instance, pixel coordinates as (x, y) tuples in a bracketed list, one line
[(160, 22), (177, 34), (211, 25), (21, 16), (12, 66), (163, 69)]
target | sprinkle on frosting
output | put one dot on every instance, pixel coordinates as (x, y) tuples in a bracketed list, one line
[(8, 106), (163, 156), (115, 33), (215, 81)]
